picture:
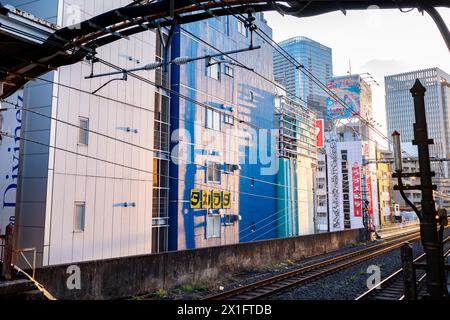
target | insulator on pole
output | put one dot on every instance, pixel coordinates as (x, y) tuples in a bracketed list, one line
[(181, 60), (153, 66), (398, 164)]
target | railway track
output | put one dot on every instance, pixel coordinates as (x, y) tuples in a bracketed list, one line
[(391, 288), (300, 276)]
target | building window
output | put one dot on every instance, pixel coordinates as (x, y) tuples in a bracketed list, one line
[(212, 119), (213, 226), (230, 219), (213, 172), (252, 96), (159, 239), (83, 133), (228, 118), (229, 71), (241, 28), (213, 69), (79, 216)]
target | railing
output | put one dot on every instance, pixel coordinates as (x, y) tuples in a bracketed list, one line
[(31, 265)]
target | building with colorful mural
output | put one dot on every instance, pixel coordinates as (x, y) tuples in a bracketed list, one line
[(221, 117)]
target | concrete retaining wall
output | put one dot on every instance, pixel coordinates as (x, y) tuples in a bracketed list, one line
[(124, 277)]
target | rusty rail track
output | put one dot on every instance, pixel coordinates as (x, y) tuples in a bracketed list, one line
[(300, 276), (391, 288)]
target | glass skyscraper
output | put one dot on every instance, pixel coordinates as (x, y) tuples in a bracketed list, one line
[(400, 110), (317, 58)]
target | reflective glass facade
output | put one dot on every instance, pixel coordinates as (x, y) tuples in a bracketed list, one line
[(317, 58), (400, 110)]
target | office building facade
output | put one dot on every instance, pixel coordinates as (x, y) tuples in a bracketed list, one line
[(316, 58), (400, 107)]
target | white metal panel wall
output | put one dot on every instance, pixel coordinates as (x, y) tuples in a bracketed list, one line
[(305, 195), (79, 175)]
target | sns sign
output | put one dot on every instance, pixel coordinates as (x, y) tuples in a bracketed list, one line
[(195, 199), (226, 200), (203, 199), (217, 199), (206, 199), (319, 133)]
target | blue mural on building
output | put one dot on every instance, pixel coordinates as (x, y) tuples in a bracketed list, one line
[(220, 104)]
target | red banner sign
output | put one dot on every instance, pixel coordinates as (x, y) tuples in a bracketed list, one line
[(319, 132), (369, 196), (357, 200)]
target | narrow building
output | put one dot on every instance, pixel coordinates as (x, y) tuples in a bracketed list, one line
[(297, 151), (352, 176)]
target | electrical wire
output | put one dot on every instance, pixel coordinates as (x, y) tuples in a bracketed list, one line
[(148, 149), (310, 75)]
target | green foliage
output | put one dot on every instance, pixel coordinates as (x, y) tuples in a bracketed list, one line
[(160, 294), (194, 287)]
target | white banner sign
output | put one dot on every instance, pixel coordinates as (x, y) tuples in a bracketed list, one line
[(10, 125)]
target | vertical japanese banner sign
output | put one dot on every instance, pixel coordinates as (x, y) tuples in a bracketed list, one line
[(366, 153), (10, 124), (369, 195), (356, 177), (319, 133)]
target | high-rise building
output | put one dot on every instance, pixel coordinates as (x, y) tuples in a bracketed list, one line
[(90, 163), (315, 57), (400, 111)]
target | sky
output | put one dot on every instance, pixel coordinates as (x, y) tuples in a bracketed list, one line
[(381, 42)]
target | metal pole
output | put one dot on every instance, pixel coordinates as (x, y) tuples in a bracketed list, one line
[(8, 252), (428, 225), (409, 275)]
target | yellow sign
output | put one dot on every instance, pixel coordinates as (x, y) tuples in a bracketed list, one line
[(206, 199), (226, 200), (195, 199), (217, 199)]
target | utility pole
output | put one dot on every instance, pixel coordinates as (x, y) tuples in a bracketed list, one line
[(428, 216), (429, 231)]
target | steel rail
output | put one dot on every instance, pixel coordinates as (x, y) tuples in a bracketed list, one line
[(391, 288), (309, 273)]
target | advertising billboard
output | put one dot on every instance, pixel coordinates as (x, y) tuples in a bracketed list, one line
[(320, 133), (10, 124), (357, 199), (348, 90)]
